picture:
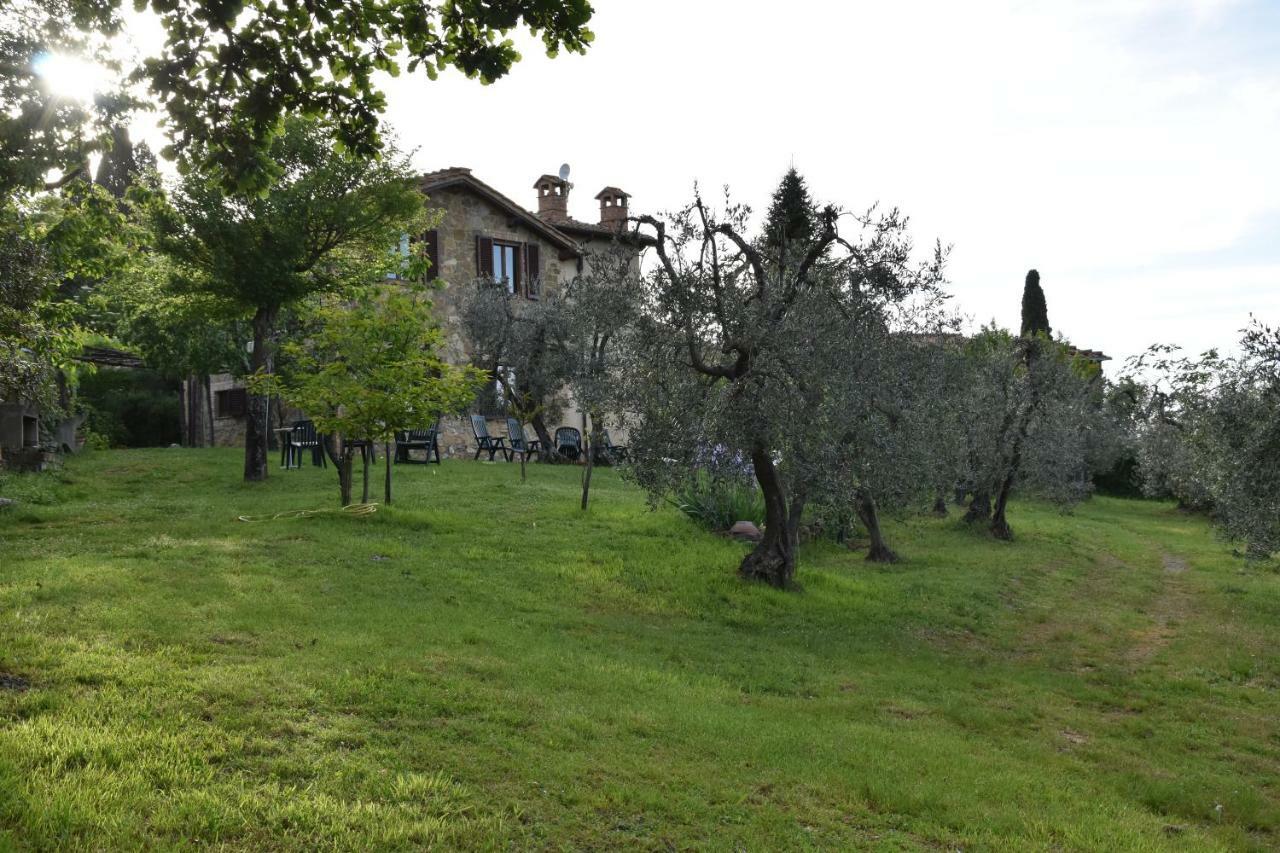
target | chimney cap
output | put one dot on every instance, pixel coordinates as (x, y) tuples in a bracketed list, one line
[(612, 191), (549, 179)]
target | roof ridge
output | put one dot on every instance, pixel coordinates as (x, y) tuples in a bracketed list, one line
[(462, 173)]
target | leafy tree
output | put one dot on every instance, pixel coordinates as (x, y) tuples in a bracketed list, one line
[(600, 307), (870, 426), (46, 139), (1210, 437), (48, 244), (30, 339), (1172, 410), (520, 344), (327, 224), (1247, 447), (1026, 406), (369, 368), (728, 359), (1035, 313), (230, 72), (179, 333)]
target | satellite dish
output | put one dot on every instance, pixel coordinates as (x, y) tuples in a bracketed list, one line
[(564, 171)]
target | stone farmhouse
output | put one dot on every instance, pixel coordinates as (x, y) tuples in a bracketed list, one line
[(484, 234)]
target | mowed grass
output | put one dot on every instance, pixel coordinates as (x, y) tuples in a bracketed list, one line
[(483, 666)]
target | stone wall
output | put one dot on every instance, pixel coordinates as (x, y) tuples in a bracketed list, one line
[(466, 218), (227, 431)]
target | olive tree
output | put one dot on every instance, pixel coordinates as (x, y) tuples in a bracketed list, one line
[(519, 342), (888, 444), (1026, 405), (599, 310), (736, 350), (1211, 438)]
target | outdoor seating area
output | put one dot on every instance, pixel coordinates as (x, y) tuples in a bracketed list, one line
[(567, 444), (421, 446), (425, 440)]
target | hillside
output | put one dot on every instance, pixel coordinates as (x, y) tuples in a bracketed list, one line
[(483, 666)]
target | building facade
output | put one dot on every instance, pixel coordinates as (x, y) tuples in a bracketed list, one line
[(483, 235)]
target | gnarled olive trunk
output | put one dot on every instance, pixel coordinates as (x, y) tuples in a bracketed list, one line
[(940, 505), (999, 524), (979, 507), (879, 552), (256, 429), (774, 558), (548, 453)]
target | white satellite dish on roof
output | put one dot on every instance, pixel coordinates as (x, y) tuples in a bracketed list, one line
[(564, 171)]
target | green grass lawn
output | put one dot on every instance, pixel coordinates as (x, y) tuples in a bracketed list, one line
[(484, 666)]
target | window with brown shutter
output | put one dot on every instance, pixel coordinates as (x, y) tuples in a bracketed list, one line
[(533, 265), (502, 262), (484, 257), (231, 403)]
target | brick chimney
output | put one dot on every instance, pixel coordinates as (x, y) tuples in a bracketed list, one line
[(613, 207), (553, 197)]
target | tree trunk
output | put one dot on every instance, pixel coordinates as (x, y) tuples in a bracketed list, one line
[(344, 465), (340, 455), (524, 457), (255, 436), (999, 524), (879, 552), (1255, 551), (548, 453), (774, 558), (208, 402), (184, 412), (979, 507), (940, 505), (596, 440), (386, 458), (364, 456)]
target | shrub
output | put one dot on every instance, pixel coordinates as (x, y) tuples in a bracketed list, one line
[(717, 503), (131, 408)]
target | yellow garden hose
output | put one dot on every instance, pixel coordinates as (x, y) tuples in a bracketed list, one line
[(350, 509)]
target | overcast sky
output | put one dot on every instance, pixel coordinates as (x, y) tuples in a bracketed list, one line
[(1128, 149)]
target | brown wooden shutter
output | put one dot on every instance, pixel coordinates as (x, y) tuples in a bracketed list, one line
[(431, 241), (533, 262), (484, 257), (517, 274)]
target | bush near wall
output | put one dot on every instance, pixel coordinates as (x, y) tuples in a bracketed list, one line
[(131, 407)]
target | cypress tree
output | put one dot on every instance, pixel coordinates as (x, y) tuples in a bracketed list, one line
[(123, 164), (1035, 313), (792, 218)]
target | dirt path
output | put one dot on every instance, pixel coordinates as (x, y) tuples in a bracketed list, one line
[(1169, 609)]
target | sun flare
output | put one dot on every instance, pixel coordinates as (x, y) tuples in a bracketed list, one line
[(71, 77)]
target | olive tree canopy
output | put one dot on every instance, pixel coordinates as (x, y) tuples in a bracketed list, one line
[(744, 353)]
